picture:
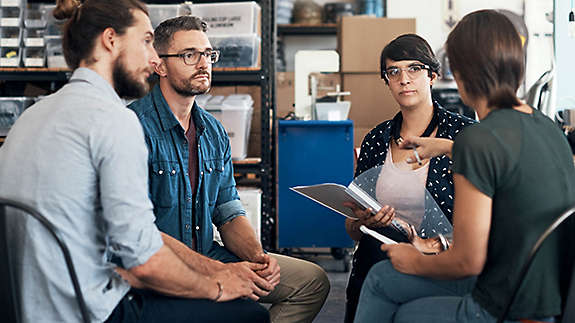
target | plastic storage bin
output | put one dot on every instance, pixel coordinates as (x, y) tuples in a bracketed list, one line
[(161, 12), (34, 37), (10, 36), (53, 25), (11, 16), (10, 110), (10, 56), (12, 3), (54, 52), (229, 18), (332, 111), (235, 114), (33, 17), (34, 57), (237, 50)]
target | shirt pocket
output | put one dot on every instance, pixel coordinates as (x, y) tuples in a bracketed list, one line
[(164, 183), (213, 170)]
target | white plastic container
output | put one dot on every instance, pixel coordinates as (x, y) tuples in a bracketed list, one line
[(251, 199), (237, 50), (11, 16), (10, 36), (235, 114), (53, 25), (225, 18), (34, 37), (34, 57), (332, 111), (161, 12), (54, 53), (33, 17), (10, 110), (10, 56)]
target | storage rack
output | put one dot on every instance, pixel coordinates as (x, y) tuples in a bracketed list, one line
[(264, 167)]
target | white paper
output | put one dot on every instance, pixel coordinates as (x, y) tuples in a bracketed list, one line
[(377, 235)]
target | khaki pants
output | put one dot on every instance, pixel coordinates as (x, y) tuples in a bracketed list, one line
[(302, 290)]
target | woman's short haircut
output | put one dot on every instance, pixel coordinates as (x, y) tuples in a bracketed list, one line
[(90, 18), (409, 47), (485, 54), (164, 33)]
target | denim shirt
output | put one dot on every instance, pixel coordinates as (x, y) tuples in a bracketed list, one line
[(217, 200)]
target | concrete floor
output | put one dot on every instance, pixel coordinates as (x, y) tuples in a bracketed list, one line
[(334, 308)]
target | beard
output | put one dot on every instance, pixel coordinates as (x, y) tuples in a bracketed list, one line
[(187, 89), (126, 84)]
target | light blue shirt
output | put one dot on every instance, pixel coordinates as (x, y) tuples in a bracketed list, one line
[(79, 157)]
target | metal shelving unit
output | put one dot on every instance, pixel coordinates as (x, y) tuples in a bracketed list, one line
[(264, 167)]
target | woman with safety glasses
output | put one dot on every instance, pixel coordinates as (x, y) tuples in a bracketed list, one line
[(513, 176), (409, 68)]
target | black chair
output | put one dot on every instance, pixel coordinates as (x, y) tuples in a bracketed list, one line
[(10, 310), (568, 310)]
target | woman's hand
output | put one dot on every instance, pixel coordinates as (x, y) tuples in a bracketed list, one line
[(366, 217), (403, 256), (426, 147)]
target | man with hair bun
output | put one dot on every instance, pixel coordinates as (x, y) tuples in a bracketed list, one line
[(79, 157)]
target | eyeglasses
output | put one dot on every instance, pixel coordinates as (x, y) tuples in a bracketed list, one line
[(413, 72), (192, 57)]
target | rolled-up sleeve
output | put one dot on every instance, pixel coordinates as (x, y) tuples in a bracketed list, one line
[(119, 149)]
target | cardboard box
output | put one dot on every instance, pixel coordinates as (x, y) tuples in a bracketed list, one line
[(362, 38), (371, 102), (284, 93)]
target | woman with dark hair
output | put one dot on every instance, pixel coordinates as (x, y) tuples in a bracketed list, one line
[(409, 68), (514, 175)]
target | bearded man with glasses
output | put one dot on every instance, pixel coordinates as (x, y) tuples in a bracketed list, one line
[(192, 180)]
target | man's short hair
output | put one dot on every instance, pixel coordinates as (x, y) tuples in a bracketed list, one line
[(165, 31)]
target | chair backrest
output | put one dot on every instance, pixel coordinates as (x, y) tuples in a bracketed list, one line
[(560, 220), (569, 312), (8, 292)]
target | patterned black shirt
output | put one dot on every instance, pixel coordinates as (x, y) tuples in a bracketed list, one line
[(439, 177)]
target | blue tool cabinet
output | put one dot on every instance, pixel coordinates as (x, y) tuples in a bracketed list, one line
[(312, 152)]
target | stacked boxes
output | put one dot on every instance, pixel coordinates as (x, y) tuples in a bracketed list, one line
[(11, 13), (29, 34), (34, 54), (234, 29)]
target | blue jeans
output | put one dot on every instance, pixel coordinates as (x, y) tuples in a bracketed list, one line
[(390, 296)]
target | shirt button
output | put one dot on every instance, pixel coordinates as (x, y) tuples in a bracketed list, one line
[(173, 172), (197, 227), (222, 168), (202, 173), (160, 172), (210, 170)]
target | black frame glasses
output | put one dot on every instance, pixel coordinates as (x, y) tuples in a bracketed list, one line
[(193, 57), (412, 71)]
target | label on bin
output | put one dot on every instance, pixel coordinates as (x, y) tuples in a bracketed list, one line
[(10, 3), (34, 42), (34, 62), (9, 42), (10, 22), (9, 61)]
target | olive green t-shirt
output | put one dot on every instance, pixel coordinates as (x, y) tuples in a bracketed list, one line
[(523, 162)]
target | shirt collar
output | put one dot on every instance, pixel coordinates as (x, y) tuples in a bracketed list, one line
[(167, 118), (84, 74)]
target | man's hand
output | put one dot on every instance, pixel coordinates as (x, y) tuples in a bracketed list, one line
[(366, 217), (403, 257), (247, 271), (272, 270), (233, 286)]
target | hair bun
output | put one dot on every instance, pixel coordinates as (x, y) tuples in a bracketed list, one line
[(65, 8)]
